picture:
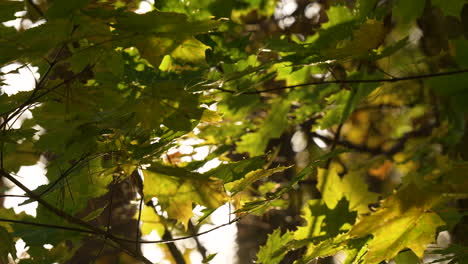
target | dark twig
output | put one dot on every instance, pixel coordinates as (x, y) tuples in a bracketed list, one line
[(35, 97), (47, 225), (200, 247), (14, 195), (175, 252), (108, 224), (137, 239), (64, 174), (71, 219), (398, 79), (397, 147), (165, 241), (335, 142), (36, 8)]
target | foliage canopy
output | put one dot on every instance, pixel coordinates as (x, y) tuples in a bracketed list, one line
[(348, 117)]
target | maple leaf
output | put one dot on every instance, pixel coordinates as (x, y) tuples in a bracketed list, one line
[(352, 187), (404, 221)]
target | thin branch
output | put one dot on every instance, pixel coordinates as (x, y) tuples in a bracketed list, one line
[(200, 247), (397, 147), (2, 146), (109, 217), (38, 86), (14, 195), (71, 219), (180, 238), (36, 8), (35, 97), (398, 79), (381, 107), (47, 225), (64, 174), (137, 243), (175, 252), (334, 142)]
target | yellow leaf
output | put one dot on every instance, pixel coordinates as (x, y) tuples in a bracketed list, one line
[(252, 177), (404, 221), (190, 50), (367, 37), (150, 221), (177, 194), (153, 49)]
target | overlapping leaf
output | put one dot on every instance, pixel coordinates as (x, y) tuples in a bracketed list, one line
[(177, 191), (404, 221)]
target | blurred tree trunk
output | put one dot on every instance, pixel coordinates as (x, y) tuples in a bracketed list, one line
[(121, 222), (252, 230)]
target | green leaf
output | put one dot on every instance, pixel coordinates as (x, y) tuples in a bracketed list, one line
[(323, 222), (407, 257), (63, 8), (9, 8), (190, 50), (35, 237), (31, 44), (252, 177), (449, 7), (7, 246), (367, 37), (366, 7), (177, 193), (9, 103), (155, 48), (356, 192), (271, 252), (14, 135), (73, 189), (325, 248), (356, 250), (352, 187), (17, 155), (94, 214), (276, 122), (338, 14), (408, 11), (404, 221), (163, 22), (150, 221), (236, 170), (329, 184), (342, 104), (461, 45), (209, 258)]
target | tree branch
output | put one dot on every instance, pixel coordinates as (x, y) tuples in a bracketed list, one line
[(175, 252), (200, 247), (36, 8), (397, 147), (397, 79), (71, 219), (47, 225), (180, 238)]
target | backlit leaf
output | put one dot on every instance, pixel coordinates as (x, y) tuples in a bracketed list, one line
[(177, 193), (408, 11), (276, 241), (256, 142), (252, 177), (404, 221)]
